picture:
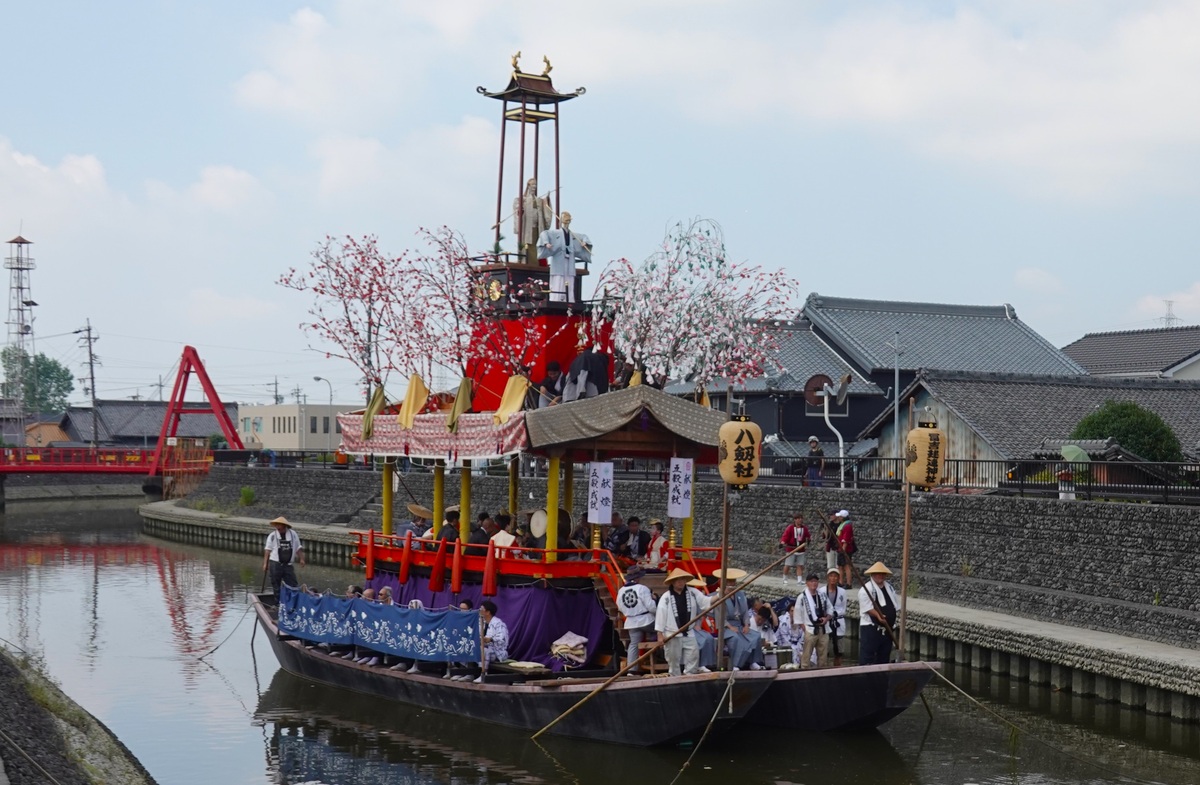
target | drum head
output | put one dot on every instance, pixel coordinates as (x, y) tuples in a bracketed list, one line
[(537, 524)]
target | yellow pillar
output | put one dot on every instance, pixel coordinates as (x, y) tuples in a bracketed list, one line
[(389, 469), (439, 496), (464, 502), (569, 487), (687, 522), (514, 485), (552, 509)]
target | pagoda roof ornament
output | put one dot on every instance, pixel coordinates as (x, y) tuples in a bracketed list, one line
[(531, 89)]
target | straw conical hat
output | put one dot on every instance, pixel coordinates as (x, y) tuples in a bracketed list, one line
[(697, 583), (731, 574), (878, 568), (419, 511), (281, 521), (676, 574)]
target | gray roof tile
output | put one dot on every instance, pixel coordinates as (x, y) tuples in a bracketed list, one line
[(933, 335), (1135, 352), (132, 420), (801, 355), (1015, 413)]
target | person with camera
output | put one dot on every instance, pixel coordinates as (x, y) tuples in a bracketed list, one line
[(816, 614), (835, 595), (794, 542)]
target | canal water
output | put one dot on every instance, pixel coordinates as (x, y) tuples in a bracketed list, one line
[(121, 620)]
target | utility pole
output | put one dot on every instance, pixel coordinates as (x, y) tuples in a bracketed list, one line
[(89, 337), (277, 398), (160, 386)]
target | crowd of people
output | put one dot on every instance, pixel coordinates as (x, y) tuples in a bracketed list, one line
[(808, 630)]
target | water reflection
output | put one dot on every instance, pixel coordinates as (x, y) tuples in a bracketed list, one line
[(122, 619)]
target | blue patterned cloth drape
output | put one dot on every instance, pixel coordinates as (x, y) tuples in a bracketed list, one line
[(439, 636)]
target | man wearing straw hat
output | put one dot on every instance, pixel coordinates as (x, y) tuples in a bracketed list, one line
[(282, 549), (678, 606), (877, 604)]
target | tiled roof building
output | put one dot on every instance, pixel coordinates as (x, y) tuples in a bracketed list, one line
[(1172, 352)]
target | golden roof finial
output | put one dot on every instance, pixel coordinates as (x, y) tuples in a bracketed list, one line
[(549, 68), (515, 58)]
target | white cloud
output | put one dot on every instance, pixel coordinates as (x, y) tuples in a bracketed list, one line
[(1037, 280), (1080, 102), (226, 188), (1185, 303)]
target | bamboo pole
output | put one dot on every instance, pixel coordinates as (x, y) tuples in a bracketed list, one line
[(650, 652)]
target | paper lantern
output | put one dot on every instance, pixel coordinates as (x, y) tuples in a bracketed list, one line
[(740, 451), (925, 455)]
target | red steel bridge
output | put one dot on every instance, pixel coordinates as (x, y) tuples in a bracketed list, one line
[(171, 456)]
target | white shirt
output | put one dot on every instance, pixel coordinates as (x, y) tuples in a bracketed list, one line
[(837, 605), (273, 544), (636, 603), (809, 607), (867, 601), (665, 621)]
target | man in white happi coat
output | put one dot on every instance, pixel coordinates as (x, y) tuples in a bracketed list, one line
[(676, 608), (836, 596), (531, 217), (877, 607), (563, 248), (637, 605), (813, 609)]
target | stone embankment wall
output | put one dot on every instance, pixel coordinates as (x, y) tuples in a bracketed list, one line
[(1132, 569), (65, 487)]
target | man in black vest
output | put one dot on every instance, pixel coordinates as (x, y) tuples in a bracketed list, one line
[(877, 604)]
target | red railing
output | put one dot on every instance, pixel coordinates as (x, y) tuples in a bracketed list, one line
[(373, 548), (75, 459)]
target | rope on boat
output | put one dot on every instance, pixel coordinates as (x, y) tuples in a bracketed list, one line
[(230, 635), (708, 727)]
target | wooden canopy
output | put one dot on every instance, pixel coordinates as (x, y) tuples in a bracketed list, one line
[(638, 422)]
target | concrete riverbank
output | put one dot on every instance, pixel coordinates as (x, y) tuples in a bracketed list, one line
[(1060, 641), (47, 735)]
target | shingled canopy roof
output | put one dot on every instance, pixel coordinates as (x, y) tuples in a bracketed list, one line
[(1136, 352), (636, 422), (933, 335), (1015, 413)]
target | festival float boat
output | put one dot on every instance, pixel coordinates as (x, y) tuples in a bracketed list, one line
[(557, 588)]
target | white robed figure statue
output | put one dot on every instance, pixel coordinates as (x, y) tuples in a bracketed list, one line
[(563, 248)]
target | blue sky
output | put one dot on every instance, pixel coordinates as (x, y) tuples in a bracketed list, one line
[(170, 160)]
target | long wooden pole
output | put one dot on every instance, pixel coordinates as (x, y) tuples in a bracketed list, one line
[(650, 652), (900, 640), (723, 586)]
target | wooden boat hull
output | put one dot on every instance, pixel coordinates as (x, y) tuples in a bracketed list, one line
[(852, 698), (639, 712)]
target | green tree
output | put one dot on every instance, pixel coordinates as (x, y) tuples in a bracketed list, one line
[(1138, 430), (47, 382)]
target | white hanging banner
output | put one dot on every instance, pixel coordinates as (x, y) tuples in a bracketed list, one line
[(600, 493), (679, 489)]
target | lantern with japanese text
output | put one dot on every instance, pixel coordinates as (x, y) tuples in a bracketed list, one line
[(739, 451), (925, 453)]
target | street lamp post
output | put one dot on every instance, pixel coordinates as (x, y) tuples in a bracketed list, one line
[(330, 414)]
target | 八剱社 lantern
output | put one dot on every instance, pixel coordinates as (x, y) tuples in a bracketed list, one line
[(925, 454), (739, 451)]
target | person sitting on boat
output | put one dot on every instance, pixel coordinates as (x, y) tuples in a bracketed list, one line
[(656, 551), (283, 549), (464, 605), (503, 537), (616, 533), (679, 609), (791, 630), (635, 542), (815, 612), (550, 389), (449, 530), (495, 634), (877, 604), (742, 643), (705, 631), (638, 606), (481, 535)]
